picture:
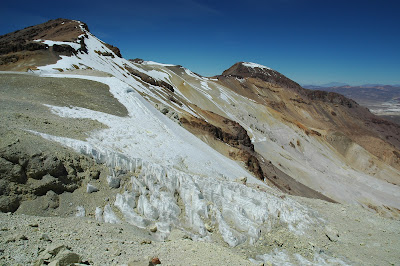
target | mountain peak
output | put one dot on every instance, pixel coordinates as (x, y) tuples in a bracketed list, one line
[(60, 29), (254, 70), (43, 44)]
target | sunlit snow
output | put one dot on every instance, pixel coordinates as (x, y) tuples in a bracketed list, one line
[(254, 65)]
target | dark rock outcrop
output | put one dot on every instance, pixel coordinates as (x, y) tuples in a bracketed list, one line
[(20, 46), (137, 60), (114, 49), (150, 80), (235, 136), (83, 47), (64, 49)]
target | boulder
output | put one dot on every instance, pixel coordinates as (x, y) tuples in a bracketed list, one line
[(331, 233), (67, 257), (57, 255), (113, 182), (11, 172), (90, 188), (40, 165), (48, 182), (9, 203)]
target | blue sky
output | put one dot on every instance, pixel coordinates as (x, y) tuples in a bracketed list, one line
[(310, 41)]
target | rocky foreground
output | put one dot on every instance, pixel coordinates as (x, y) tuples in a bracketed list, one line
[(361, 238), (30, 240)]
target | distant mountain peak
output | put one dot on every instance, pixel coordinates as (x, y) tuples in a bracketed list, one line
[(254, 70)]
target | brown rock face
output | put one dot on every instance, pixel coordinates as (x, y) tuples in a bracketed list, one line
[(114, 49), (231, 133)]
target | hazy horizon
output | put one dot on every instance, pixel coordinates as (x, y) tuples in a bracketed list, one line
[(347, 84)]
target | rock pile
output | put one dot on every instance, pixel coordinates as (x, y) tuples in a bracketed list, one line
[(27, 175)]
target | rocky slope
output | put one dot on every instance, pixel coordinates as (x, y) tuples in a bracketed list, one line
[(161, 153)]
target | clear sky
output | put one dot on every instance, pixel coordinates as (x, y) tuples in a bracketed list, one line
[(310, 41)]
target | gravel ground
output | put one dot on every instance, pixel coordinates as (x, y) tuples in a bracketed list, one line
[(102, 244), (364, 239)]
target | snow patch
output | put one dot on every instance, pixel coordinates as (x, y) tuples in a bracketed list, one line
[(74, 45), (254, 65), (156, 64)]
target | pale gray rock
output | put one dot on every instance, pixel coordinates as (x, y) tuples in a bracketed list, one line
[(331, 233), (153, 228), (80, 211), (90, 188), (53, 201), (99, 214), (242, 180), (45, 237), (209, 227), (54, 263), (54, 249), (113, 182)]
